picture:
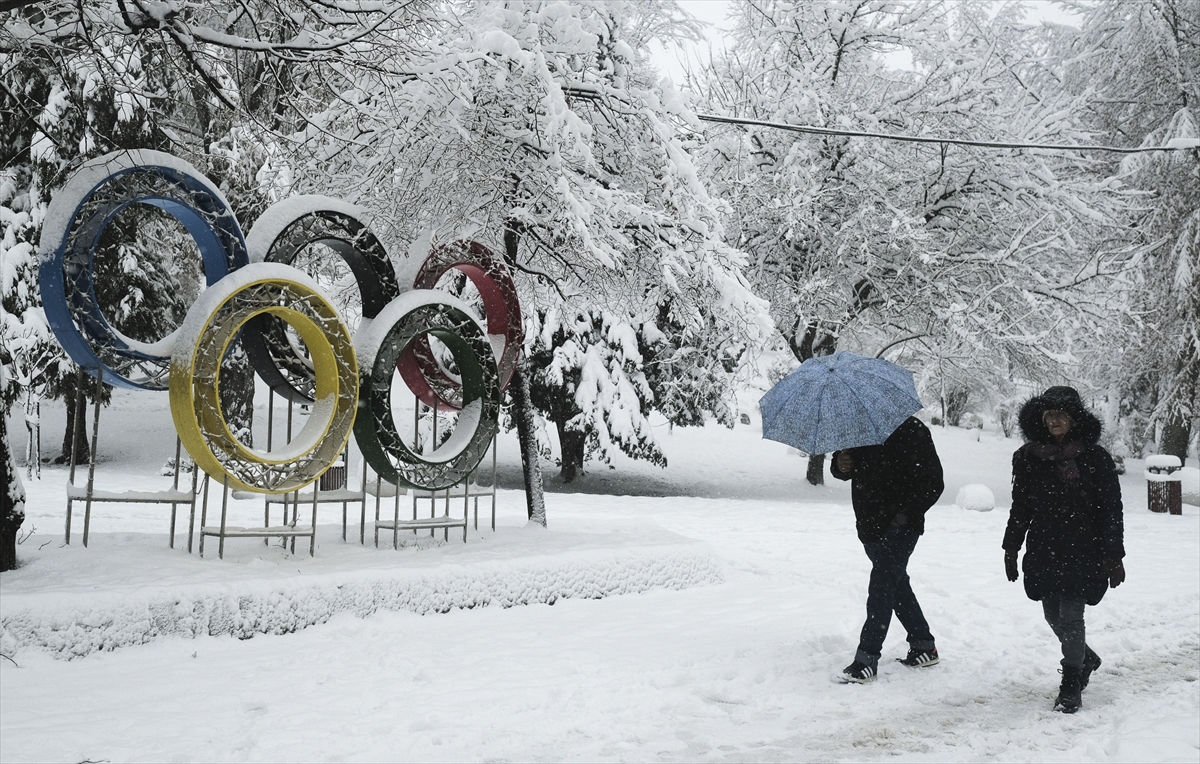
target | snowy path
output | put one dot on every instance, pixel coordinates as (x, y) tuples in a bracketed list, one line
[(738, 671)]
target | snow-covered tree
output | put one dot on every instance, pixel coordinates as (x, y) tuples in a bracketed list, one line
[(690, 375), (1139, 66), (588, 379), (69, 101), (536, 128), (981, 257), (12, 499)]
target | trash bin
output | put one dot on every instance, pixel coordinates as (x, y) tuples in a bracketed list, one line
[(334, 478), (1164, 486)]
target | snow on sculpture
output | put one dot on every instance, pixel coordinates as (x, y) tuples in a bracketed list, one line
[(253, 291)]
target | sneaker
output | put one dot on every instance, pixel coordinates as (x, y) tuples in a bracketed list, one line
[(920, 658), (857, 673), (1091, 662)]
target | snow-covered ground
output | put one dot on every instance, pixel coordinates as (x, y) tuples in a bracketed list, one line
[(728, 592)]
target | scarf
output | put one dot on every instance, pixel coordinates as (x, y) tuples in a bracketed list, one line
[(1061, 456)]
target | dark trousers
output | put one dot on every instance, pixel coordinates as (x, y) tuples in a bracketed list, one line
[(1065, 616), (890, 592)]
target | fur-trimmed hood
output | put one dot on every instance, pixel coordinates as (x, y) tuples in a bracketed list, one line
[(1086, 428)]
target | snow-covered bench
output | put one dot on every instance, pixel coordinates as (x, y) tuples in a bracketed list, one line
[(344, 496), (469, 489), (266, 531), (173, 496), (89, 495)]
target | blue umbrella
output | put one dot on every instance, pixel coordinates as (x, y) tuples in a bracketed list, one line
[(839, 401)]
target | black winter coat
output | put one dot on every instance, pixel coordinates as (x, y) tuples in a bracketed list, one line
[(1070, 523), (904, 475)]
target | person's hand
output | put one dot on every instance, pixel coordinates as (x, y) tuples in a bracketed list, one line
[(845, 462), (1115, 570), (1010, 564)]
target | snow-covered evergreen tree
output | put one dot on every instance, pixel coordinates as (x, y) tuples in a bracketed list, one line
[(588, 379), (12, 498), (691, 375), (70, 102)]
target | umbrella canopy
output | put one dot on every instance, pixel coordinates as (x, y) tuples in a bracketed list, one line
[(839, 401)]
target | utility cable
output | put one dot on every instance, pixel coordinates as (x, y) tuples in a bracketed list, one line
[(1176, 145)]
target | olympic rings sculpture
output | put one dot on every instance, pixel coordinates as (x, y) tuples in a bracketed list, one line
[(253, 293)]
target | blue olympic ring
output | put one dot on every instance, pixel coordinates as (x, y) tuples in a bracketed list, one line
[(75, 220)]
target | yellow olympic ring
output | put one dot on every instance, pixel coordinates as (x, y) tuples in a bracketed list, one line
[(212, 323)]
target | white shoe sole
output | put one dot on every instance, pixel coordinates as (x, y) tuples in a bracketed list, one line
[(927, 664), (841, 678)]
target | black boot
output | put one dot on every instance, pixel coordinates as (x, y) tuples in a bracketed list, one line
[(1091, 662), (1069, 698)]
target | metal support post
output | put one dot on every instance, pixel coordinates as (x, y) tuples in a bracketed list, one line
[(79, 414), (87, 512), (224, 512)]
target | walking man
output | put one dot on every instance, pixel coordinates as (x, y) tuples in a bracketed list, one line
[(892, 486)]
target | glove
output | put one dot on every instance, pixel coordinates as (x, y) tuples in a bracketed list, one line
[(1010, 564), (1115, 570)]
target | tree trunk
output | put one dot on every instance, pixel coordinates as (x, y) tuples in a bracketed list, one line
[(813, 342), (571, 444), (12, 501), (237, 393), (531, 466), (1176, 432), (76, 405), (816, 469)]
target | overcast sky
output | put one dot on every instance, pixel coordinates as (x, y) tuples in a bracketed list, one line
[(709, 11), (713, 12)]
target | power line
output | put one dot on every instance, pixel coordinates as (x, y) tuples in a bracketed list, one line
[(1177, 145)]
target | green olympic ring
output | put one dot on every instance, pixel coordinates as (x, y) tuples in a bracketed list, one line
[(415, 316)]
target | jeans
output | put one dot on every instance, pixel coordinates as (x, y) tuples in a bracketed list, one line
[(1065, 616), (888, 592)]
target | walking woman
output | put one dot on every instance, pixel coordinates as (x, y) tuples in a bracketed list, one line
[(1066, 509)]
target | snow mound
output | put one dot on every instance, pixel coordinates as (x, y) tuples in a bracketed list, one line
[(976, 497), (74, 627)]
